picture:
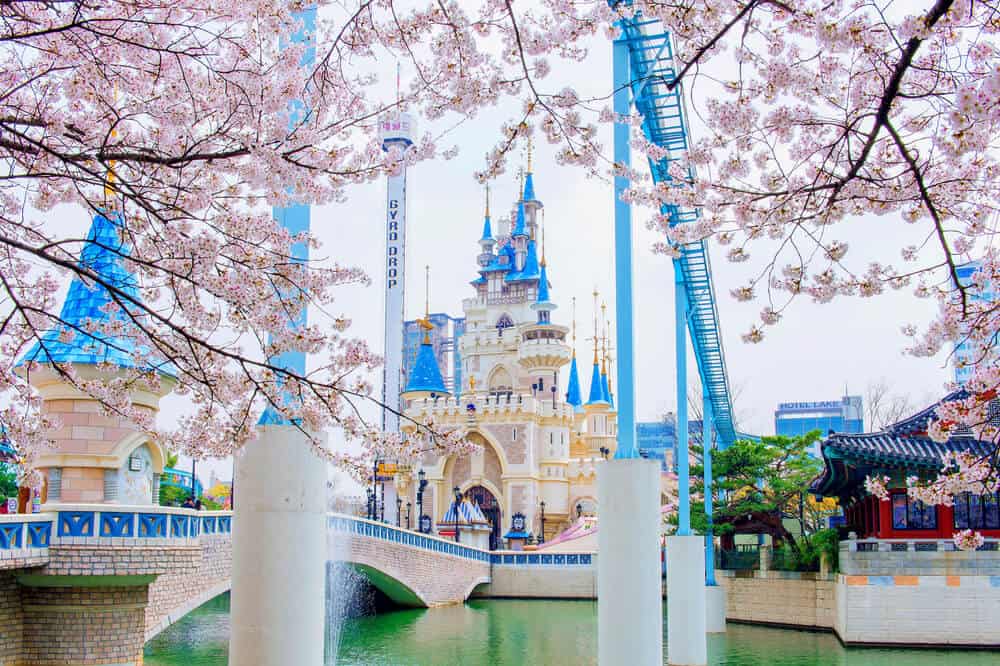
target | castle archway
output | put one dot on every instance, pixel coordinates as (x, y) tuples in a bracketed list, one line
[(490, 506)]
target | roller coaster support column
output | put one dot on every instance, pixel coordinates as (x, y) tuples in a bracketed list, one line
[(715, 596), (686, 609), (629, 606)]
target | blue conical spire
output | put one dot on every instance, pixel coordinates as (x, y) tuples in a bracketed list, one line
[(573, 393), (605, 388), (529, 188), (426, 375), (596, 389), (543, 287), (520, 228), (103, 254), (530, 261), (487, 229)]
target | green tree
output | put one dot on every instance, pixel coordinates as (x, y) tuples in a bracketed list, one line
[(8, 480), (172, 495), (172, 459), (756, 484)]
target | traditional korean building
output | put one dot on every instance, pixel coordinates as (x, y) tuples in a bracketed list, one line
[(903, 450)]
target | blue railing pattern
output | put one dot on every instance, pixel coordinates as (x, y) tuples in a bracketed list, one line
[(109, 524), (392, 534)]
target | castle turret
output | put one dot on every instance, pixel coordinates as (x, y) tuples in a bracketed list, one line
[(98, 457), (487, 241), (531, 203)]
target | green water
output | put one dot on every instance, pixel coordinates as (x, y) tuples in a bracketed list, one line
[(501, 632)]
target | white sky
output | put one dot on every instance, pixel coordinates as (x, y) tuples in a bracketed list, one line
[(813, 354)]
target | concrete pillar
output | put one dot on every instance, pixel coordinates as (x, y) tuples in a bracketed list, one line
[(765, 557), (715, 605), (686, 606), (279, 552), (629, 606)]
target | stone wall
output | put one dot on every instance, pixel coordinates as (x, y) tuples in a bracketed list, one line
[(174, 595), (111, 560), (11, 620), (780, 598), (541, 582), (82, 625), (919, 610), (436, 578)]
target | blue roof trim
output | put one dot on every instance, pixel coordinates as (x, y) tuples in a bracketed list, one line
[(103, 254), (426, 375), (596, 391), (573, 392)]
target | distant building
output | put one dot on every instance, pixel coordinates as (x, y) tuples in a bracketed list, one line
[(657, 440), (965, 363), (793, 419), (444, 339)]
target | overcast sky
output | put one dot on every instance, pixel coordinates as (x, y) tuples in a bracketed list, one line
[(816, 353)]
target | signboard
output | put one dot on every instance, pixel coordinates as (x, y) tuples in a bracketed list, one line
[(425, 524), (824, 404), (385, 471)]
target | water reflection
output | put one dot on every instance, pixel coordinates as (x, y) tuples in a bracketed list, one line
[(513, 632)]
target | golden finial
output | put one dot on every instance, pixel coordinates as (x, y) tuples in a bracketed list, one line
[(574, 327), (595, 324), (520, 180), (529, 153), (425, 323), (487, 198), (543, 236), (109, 179), (604, 339), (472, 383)]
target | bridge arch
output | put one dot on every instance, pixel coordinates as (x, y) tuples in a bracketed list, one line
[(399, 592)]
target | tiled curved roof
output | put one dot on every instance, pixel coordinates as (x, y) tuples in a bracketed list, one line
[(103, 254)]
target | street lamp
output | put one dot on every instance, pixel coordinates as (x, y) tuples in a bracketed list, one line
[(399, 510), (579, 510), (408, 505), (541, 537), (422, 476), (458, 500)]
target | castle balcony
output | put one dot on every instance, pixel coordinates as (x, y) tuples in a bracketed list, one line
[(543, 353), (514, 406), (491, 341)]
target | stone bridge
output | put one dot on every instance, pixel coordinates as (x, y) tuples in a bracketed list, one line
[(91, 583), (412, 569)]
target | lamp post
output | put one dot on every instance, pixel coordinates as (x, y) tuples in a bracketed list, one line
[(408, 505), (541, 537), (458, 500), (422, 476), (605, 451), (399, 510), (579, 510)]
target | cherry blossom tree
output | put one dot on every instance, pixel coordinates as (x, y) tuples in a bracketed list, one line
[(173, 119), (813, 114), (850, 112)]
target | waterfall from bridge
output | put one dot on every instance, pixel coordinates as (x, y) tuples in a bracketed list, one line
[(348, 593)]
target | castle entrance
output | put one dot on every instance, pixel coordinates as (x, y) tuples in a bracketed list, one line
[(490, 507)]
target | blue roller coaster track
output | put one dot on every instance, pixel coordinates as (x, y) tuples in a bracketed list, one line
[(661, 103)]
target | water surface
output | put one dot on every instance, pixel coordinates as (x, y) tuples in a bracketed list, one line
[(517, 633)]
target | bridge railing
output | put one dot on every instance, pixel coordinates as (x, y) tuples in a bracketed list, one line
[(363, 527), (24, 536), (113, 524)]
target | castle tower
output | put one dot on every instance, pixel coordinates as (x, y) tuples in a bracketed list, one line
[(98, 457)]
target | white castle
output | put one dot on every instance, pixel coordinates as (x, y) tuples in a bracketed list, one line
[(540, 441)]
